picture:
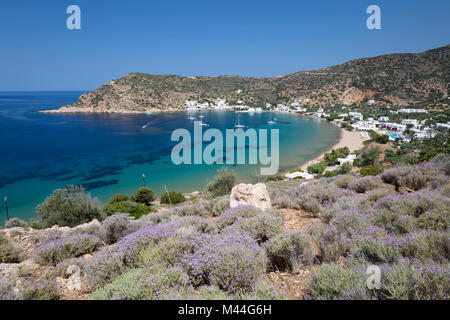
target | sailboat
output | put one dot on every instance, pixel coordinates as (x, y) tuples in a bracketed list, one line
[(148, 113), (145, 125), (271, 121), (238, 124)]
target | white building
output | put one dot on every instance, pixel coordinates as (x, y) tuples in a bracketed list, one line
[(370, 102), (356, 115), (349, 159), (364, 125), (383, 119), (393, 126), (414, 122), (412, 111)]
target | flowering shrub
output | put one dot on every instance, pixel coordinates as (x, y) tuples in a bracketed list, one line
[(234, 214), (108, 263), (142, 284), (331, 281), (261, 227), (43, 290), (116, 227), (232, 263), (365, 184), (412, 280), (288, 251), (429, 245), (57, 250)]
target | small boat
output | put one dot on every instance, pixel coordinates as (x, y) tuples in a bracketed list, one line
[(201, 116), (271, 122), (238, 124), (148, 113), (191, 118), (145, 125)]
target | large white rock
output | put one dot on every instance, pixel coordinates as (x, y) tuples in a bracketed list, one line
[(250, 194)]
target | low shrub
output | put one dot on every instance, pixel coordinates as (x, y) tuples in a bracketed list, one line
[(234, 214), (135, 210), (343, 181), (222, 183), (261, 227), (118, 198), (15, 222), (54, 251), (331, 282), (43, 290), (278, 177), (8, 290), (172, 197), (371, 170), (288, 251), (231, 263), (116, 227), (317, 168), (364, 184), (408, 280), (142, 284), (8, 252)]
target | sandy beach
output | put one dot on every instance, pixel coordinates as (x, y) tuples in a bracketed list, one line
[(351, 139)]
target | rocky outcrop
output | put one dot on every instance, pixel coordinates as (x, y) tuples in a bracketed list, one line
[(250, 194)]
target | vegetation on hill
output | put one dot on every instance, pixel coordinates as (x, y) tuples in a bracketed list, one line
[(396, 79)]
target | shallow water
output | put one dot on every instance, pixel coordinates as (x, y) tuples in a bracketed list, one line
[(107, 154)]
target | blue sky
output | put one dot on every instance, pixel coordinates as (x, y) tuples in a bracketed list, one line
[(188, 37)]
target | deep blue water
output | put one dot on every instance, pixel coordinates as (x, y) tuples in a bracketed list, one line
[(107, 154)]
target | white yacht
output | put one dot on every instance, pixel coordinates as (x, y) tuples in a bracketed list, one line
[(238, 124)]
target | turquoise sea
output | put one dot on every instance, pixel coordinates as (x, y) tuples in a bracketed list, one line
[(107, 154)]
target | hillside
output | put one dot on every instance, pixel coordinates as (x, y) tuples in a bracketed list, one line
[(396, 79)]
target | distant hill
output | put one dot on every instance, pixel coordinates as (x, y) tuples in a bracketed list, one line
[(395, 79)]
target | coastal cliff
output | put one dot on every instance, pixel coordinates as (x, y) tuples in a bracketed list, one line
[(396, 79)]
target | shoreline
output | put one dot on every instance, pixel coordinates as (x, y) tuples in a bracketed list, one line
[(351, 139)]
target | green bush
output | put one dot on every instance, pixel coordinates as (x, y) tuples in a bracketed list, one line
[(135, 210), (144, 195), (172, 197), (118, 198), (288, 251), (222, 183), (8, 252), (278, 177), (68, 207), (317, 168), (371, 171)]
